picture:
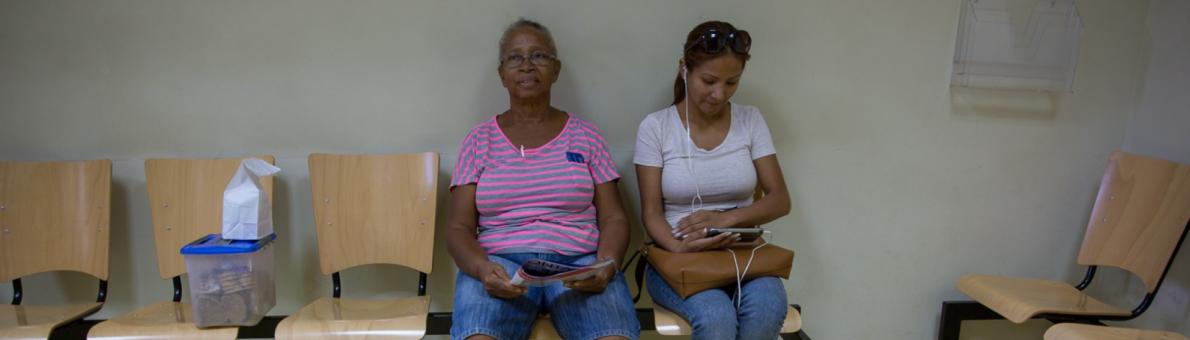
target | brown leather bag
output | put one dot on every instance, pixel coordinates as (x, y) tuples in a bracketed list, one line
[(689, 273)]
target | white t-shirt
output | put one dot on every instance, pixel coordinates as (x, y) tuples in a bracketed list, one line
[(725, 176)]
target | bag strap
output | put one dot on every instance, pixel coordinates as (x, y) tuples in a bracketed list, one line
[(639, 270)]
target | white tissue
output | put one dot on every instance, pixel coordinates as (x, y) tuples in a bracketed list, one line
[(247, 213)]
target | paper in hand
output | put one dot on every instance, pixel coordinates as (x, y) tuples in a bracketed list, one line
[(537, 272)]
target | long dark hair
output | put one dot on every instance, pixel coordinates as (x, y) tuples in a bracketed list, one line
[(695, 56)]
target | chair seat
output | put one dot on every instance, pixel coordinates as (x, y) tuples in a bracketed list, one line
[(33, 321), (669, 323), (1019, 300), (1074, 331), (543, 329), (161, 320), (330, 318)]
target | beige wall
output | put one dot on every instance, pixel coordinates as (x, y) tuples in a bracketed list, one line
[(1161, 128), (896, 191)]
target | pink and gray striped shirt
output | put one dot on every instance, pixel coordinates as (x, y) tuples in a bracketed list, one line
[(541, 200)]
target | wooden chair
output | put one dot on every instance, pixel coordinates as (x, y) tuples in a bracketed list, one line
[(1138, 222), (54, 216), (543, 329), (186, 202), (370, 210), (1074, 331)]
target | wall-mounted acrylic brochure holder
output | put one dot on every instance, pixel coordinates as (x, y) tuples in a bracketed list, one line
[(1017, 44)]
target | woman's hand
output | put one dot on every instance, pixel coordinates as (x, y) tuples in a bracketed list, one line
[(697, 241), (700, 220), (595, 284), (497, 283)]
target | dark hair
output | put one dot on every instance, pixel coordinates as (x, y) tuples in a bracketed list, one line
[(695, 56), (526, 23)]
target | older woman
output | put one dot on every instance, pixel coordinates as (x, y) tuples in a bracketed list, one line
[(536, 182), (698, 163)]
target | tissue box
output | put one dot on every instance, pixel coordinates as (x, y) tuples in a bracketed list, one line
[(231, 281)]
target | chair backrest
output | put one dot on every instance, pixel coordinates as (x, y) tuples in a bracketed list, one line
[(186, 202), (371, 209), (1140, 215), (54, 216)]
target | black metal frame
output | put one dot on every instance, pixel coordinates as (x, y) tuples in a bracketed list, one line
[(177, 288), (437, 323), (955, 312), (73, 330), (18, 292), (421, 284), (78, 329), (102, 295), (337, 285)]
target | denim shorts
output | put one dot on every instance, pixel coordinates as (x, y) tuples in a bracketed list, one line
[(576, 315), (713, 314)]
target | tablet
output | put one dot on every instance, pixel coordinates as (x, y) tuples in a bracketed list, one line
[(746, 234)]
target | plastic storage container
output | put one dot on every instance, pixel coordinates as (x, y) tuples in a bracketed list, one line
[(231, 281)]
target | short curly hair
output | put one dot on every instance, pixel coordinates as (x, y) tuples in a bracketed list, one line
[(523, 23)]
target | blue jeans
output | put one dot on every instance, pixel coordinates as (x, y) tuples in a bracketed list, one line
[(576, 315), (713, 314)]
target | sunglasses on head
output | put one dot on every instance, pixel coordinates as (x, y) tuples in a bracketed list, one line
[(713, 41)]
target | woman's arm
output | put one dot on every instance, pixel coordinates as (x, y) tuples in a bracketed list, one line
[(773, 205), (613, 236), (652, 207), (461, 242), (613, 224), (461, 222)]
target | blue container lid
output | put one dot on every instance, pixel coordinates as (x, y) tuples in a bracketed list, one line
[(214, 244)]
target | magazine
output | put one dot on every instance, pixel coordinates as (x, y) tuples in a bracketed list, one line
[(537, 272)]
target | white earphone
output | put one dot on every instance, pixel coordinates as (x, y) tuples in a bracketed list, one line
[(696, 201)]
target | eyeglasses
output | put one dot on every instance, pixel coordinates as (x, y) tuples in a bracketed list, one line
[(712, 41), (537, 58)]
